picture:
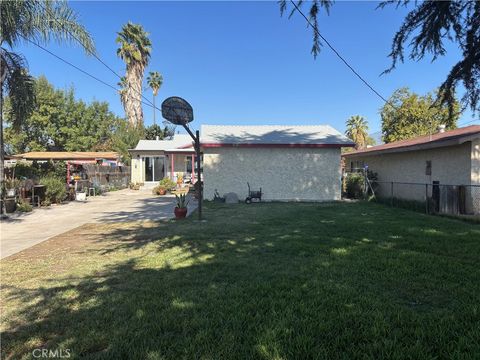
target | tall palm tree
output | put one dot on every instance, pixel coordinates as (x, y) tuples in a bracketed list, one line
[(357, 131), (123, 86), (40, 21), (135, 48), (154, 81)]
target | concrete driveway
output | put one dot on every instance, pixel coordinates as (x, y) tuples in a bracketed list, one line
[(22, 231)]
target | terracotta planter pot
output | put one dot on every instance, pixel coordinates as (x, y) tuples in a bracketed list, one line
[(180, 213), (162, 191)]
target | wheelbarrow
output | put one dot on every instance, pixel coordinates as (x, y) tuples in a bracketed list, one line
[(253, 195)]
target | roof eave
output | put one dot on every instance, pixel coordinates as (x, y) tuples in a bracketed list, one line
[(268, 145), (408, 148)]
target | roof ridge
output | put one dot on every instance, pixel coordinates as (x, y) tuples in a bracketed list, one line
[(265, 125), (422, 139)]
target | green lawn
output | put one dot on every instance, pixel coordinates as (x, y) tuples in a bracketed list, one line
[(267, 281)]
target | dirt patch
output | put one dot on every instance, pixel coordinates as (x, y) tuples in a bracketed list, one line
[(84, 239)]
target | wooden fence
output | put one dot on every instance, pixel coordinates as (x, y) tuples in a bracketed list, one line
[(108, 176)]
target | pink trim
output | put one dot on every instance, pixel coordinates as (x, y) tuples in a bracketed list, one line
[(185, 146), (68, 172), (217, 145), (172, 166), (179, 152)]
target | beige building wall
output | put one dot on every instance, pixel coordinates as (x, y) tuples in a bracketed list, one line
[(283, 173), (138, 165), (475, 176), (451, 165)]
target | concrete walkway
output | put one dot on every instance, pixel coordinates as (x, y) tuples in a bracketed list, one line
[(22, 231)]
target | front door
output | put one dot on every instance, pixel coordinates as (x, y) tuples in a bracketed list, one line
[(154, 168)]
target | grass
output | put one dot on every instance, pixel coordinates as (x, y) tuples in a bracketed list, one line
[(266, 281)]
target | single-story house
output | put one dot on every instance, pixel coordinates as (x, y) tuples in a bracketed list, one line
[(444, 158), (289, 163), (152, 160)]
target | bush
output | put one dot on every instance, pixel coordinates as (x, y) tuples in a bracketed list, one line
[(24, 206), (55, 189), (167, 183), (45, 169), (354, 185)]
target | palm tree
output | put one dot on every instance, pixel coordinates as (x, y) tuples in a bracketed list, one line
[(135, 47), (123, 85), (155, 81), (40, 21), (357, 131)]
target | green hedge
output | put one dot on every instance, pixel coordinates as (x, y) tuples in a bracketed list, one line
[(55, 189)]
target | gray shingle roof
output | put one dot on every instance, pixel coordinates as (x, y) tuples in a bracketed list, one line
[(179, 141), (273, 134)]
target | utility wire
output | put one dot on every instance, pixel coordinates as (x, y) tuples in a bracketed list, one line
[(81, 70), (338, 54), (93, 54), (468, 122)]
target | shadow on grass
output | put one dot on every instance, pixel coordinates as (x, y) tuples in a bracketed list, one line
[(267, 281)]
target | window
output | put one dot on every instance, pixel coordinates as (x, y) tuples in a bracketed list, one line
[(428, 168), (188, 164)]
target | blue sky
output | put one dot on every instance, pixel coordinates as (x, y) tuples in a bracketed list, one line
[(241, 63)]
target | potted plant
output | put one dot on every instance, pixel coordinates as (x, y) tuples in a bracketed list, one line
[(163, 186), (11, 185), (180, 210), (81, 196), (160, 190), (10, 205), (134, 186)]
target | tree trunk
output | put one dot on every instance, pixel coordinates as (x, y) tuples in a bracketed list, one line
[(154, 110), (2, 154), (133, 103)]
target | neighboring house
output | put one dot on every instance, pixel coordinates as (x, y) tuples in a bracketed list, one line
[(444, 158), (80, 157), (152, 160), (293, 163)]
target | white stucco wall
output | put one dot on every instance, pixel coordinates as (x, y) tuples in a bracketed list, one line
[(138, 165), (298, 174)]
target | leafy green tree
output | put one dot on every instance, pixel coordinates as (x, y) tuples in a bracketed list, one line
[(134, 49), (154, 81), (357, 131), (125, 137), (151, 132), (40, 21), (408, 115), (426, 28), (60, 122)]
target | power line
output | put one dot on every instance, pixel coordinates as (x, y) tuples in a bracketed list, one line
[(338, 54), (81, 70), (468, 122), (94, 54)]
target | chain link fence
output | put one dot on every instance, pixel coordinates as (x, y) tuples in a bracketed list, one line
[(431, 198)]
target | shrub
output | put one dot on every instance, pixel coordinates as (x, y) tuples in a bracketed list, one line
[(134, 186), (55, 189), (24, 206), (167, 183), (182, 201), (34, 170), (159, 190), (354, 185)]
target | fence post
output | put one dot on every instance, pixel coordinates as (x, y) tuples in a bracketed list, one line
[(391, 193), (426, 199)]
